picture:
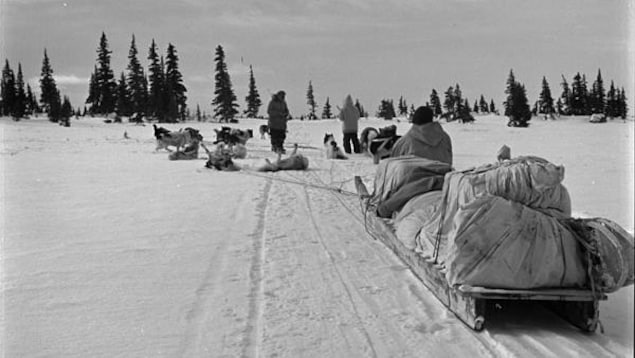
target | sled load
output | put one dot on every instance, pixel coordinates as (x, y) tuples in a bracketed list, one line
[(502, 231)]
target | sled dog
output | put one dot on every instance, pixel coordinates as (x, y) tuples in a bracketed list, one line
[(264, 131), (331, 148), (183, 137)]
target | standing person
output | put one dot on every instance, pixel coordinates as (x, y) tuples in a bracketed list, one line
[(349, 115), (425, 139), (278, 115)]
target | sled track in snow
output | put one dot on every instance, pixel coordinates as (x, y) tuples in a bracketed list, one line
[(256, 276), (339, 274)]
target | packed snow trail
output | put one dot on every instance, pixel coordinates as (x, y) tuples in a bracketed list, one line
[(109, 249)]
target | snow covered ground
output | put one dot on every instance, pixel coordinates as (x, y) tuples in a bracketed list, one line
[(110, 249)]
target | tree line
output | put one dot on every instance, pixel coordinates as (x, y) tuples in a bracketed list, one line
[(160, 94)]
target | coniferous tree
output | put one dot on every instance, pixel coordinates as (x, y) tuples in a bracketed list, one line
[(49, 95), (360, 108), (458, 100), (623, 105), (449, 101), (253, 97), (435, 103), (123, 106), (516, 104), (482, 104), (174, 82), (597, 95), (19, 110), (104, 79), (31, 102), (8, 90), (545, 104), (565, 97), (578, 99), (310, 100), (155, 84), (403, 107), (492, 107), (136, 82), (386, 109), (224, 102), (612, 102), (326, 111), (66, 112), (199, 117), (476, 108)]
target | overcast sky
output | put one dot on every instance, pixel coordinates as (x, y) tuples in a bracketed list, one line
[(372, 49)]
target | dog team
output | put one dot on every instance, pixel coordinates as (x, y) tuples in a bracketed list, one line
[(425, 137)]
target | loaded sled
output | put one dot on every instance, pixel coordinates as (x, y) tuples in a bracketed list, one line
[(467, 285)]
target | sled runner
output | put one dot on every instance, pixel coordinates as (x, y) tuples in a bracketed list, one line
[(468, 303)]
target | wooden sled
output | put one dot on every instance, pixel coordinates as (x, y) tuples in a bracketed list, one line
[(577, 306)]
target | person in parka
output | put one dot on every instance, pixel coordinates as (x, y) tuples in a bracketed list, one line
[(349, 115), (425, 139), (278, 115)]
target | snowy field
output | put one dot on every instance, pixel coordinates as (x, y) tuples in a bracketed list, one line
[(111, 250)]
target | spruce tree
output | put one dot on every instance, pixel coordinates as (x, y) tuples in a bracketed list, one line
[(578, 99), (174, 82), (326, 111), (449, 101), (19, 110), (435, 103), (253, 98), (492, 107), (66, 112), (565, 97), (475, 108), (8, 90), (612, 102), (482, 103), (310, 100), (623, 105), (155, 84), (123, 107), (104, 79), (49, 96), (403, 107), (545, 100), (458, 100), (360, 108), (31, 102), (516, 103), (224, 102), (597, 95), (136, 83), (199, 117)]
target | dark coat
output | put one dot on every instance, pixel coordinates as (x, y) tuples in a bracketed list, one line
[(278, 112)]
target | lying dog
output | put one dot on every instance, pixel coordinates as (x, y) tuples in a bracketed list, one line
[(233, 136), (293, 162), (183, 137), (264, 131), (188, 153), (220, 159), (331, 148)]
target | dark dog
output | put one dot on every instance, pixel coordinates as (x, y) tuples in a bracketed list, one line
[(331, 148), (183, 137), (264, 131), (233, 136)]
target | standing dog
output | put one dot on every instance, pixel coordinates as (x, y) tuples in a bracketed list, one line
[(183, 137), (331, 148)]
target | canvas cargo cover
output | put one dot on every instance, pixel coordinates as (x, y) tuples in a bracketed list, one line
[(499, 243), (399, 179)]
